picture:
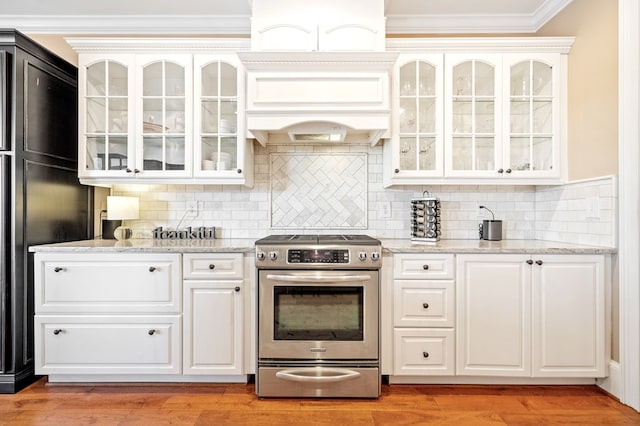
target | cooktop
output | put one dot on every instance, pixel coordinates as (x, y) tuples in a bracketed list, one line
[(306, 239)]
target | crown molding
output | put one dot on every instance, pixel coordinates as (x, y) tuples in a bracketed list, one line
[(134, 44)]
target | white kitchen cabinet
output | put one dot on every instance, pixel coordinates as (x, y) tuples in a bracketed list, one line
[(468, 109), (531, 315), (423, 314), (108, 313), (213, 314), (161, 113)]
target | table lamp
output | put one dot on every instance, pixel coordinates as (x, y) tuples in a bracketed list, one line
[(122, 208)]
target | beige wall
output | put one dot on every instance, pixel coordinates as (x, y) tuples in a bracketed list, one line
[(593, 85)]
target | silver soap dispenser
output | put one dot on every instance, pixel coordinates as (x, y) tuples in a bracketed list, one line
[(490, 230)]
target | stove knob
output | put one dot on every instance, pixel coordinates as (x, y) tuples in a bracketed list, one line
[(362, 256), (375, 256), (273, 255), (260, 255)]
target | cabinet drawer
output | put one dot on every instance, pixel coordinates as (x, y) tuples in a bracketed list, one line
[(90, 283), (422, 352), (423, 303), (212, 266), (423, 266), (115, 344)]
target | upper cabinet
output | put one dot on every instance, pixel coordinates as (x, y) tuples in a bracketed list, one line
[(161, 117), (473, 109)]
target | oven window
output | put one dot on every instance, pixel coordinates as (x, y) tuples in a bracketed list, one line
[(318, 313)]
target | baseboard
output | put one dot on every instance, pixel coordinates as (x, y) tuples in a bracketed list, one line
[(613, 383)]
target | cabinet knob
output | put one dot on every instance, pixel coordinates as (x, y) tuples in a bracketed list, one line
[(152, 268), (237, 289), (239, 171), (212, 266), (57, 331), (58, 269), (508, 171), (529, 262), (396, 171), (425, 305), (425, 267), (151, 332), (128, 170), (136, 171), (425, 354), (538, 262), (500, 170)]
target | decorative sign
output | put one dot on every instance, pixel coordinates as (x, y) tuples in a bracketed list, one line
[(201, 233)]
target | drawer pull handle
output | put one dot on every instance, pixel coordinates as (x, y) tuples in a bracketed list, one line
[(57, 331), (58, 269), (152, 268), (425, 354), (425, 267), (151, 332), (212, 266), (425, 305), (538, 262), (237, 288)]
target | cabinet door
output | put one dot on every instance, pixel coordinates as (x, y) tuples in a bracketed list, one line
[(112, 344), (218, 107), (493, 315), (213, 327), (164, 119), (569, 316), (417, 127), (532, 116), (106, 146), (473, 88)]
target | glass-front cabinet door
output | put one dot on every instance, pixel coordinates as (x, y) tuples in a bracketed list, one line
[(418, 123), (163, 127), (106, 146), (472, 116), (217, 100), (532, 127)]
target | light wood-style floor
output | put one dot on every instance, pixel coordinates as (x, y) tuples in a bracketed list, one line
[(237, 404)]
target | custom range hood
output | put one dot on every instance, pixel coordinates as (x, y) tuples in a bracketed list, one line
[(317, 72)]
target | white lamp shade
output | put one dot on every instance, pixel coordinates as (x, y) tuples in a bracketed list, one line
[(122, 208)]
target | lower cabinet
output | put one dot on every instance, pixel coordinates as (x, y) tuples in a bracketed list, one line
[(531, 315), (213, 313)]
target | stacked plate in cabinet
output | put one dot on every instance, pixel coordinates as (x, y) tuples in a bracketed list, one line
[(425, 219)]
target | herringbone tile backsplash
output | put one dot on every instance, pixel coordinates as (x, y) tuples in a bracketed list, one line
[(318, 191)]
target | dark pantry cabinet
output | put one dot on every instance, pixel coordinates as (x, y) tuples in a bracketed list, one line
[(41, 199)]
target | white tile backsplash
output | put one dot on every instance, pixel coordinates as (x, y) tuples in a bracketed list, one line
[(555, 213)]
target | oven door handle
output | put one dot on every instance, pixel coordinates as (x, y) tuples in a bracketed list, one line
[(318, 278), (317, 375)]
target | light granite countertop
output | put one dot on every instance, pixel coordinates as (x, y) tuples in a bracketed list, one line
[(389, 246)]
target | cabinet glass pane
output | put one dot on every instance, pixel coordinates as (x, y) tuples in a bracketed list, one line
[(155, 147), (228, 116), (153, 115), (228, 153), (210, 79), (520, 153), (542, 78), (229, 80), (462, 79), (174, 79), (118, 115), (408, 79), (520, 78), (542, 122), (174, 115), (520, 116), (209, 116), (542, 153), (152, 80), (462, 153), (462, 117), (485, 149), (175, 153), (426, 79), (118, 152), (96, 115), (407, 115), (427, 154), (485, 117), (427, 115), (96, 149), (484, 79), (117, 79), (96, 74), (408, 160)]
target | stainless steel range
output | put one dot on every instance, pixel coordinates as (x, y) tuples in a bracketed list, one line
[(318, 316)]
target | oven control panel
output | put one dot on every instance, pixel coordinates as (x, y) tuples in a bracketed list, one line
[(317, 256)]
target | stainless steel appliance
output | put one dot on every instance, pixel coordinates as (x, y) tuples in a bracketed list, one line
[(318, 316)]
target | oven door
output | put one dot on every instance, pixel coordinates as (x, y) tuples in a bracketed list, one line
[(318, 315)]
